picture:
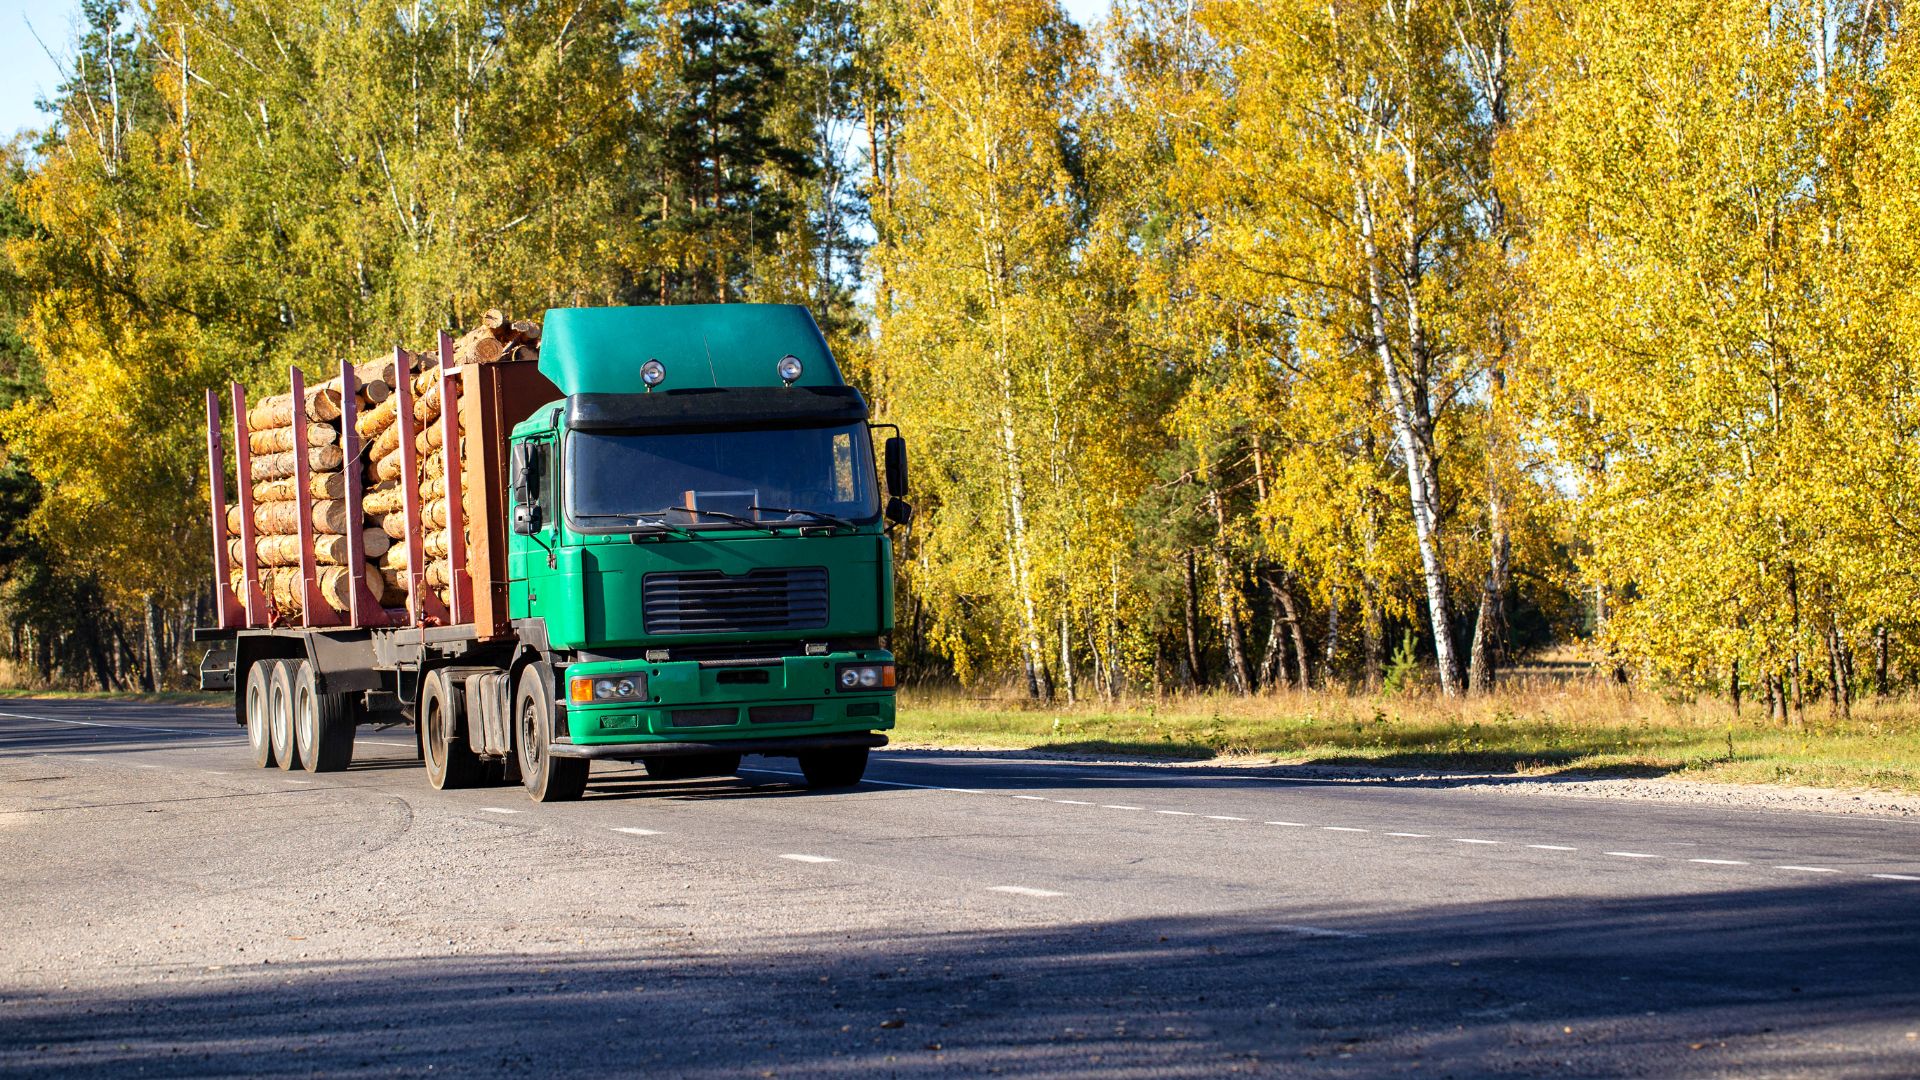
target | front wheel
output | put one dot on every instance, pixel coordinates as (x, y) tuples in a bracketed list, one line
[(547, 778), (826, 769)]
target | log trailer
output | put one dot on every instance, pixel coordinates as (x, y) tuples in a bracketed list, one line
[(665, 540)]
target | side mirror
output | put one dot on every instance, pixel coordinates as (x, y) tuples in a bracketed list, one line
[(526, 519), (899, 511), (896, 455), (520, 476)]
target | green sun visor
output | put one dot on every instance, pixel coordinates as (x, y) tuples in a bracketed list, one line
[(602, 350)]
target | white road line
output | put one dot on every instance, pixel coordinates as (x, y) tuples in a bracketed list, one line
[(1895, 877), (1072, 802), (1809, 869), (1553, 847), (1414, 835), (1175, 813), (497, 810), (1316, 931), (1117, 806), (634, 830), (1291, 824), (1720, 862), (137, 765), (237, 733), (1464, 840), (1022, 890), (299, 781), (809, 858), (1223, 817), (1630, 855), (1034, 798), (1341, 828)]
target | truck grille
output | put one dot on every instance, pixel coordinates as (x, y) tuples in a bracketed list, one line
[(710, 602)]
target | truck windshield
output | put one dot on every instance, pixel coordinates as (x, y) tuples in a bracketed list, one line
[(721, 479)]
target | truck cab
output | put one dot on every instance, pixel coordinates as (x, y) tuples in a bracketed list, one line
[(699, 554)]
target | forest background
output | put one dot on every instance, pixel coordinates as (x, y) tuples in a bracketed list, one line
[(1242, 344)]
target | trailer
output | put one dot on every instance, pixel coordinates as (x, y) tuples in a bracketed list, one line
[(665, 540)]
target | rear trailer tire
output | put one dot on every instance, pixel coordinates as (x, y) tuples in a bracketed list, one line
[(259, 737), (322, 723), (286, 753), (546, 778), (692, 766), (450, 764), (827, 769)]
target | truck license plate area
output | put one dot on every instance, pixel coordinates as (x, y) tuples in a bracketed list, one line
[(705, 717), (780, 714), (750, 676)]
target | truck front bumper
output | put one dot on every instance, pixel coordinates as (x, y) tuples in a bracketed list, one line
[(733, 703), (788, 747)]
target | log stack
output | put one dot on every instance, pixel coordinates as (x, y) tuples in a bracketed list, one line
[(271, 441)]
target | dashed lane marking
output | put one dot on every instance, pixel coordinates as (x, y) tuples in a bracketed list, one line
[(809, 858), (1413, 835), (1022, 890), (1176, 813), (1553, 847), (1072, 802), (634, 830), (1809, 869), (1895, 877), (1720, 862), (497, 810), (299, 781), (1032, 798), (122, 727), (1117, 806), (1630, 855), (1290, 824), (1469, 840), (1341, 828)]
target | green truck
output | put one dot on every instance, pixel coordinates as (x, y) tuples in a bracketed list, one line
[(670, 544)]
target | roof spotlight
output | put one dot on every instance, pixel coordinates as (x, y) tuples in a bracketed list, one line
[(790, 369), (653, 373)]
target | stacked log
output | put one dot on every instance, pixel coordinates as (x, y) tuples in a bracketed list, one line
[(274, 426), (272, 435)]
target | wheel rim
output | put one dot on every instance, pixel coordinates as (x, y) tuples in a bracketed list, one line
[(531, 745), (258, 719), (433, 741), (282, 723), (304, 721)]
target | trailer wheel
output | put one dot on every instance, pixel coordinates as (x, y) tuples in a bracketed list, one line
[(692, 766), (547, 778), (834, 768), (322, 723), (259, 719), (450, 764), (280, 715)]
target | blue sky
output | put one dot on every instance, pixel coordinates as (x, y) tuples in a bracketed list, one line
[(29, 73)]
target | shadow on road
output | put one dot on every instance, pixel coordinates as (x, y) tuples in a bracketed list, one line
[(1815, 978)]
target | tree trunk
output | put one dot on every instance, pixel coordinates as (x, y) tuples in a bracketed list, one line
[(1330, 650), (1489, 626), (1413, 429), (1879, 661), (1733, 684), (1227, 599), (1196, 670)]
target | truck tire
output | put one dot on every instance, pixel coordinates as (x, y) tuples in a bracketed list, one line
[(280, 715), (322, 723), (827, 769), (692, 766), (259, 737), (450, 764), (547, 778)]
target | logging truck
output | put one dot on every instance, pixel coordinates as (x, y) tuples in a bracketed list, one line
[(654, 534)]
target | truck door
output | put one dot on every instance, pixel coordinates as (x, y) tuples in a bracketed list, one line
[(536, 533)]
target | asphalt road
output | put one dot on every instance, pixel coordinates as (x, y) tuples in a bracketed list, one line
[(166, 909)]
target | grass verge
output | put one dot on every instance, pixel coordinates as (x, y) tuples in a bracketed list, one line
[(164, 697), (1581, 727)]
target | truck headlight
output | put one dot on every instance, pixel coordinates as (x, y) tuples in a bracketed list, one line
[(866, 677), (601, 689)]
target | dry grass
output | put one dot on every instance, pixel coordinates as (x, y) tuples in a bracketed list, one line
[(1561, 726)]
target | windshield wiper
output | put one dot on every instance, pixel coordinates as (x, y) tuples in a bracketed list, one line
[(722, 515), (816, 515)]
